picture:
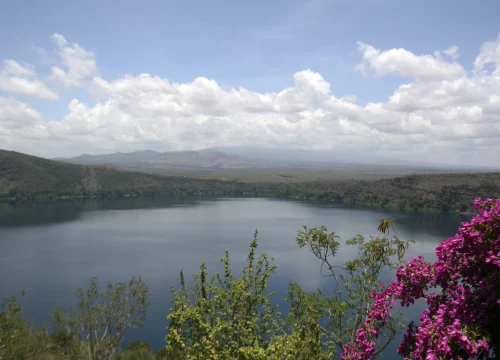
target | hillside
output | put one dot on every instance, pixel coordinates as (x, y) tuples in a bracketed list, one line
[(25, 177), (22, 175), (424, 192)]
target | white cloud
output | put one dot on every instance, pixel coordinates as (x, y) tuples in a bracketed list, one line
[(405, 63), (452, 52), (16, 114), (489, 54), (440, 94), (16, 121), (74, 67), (77, 64), (21, 80), (444, 114)]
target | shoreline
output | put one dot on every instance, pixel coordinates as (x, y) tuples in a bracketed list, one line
[(54, 198)]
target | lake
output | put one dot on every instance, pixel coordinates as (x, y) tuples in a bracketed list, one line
[(49, 250)]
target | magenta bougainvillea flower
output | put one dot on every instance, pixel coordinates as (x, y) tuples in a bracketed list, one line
[(462, 292)]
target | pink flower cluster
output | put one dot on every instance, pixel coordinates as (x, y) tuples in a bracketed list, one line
[(462, 318)]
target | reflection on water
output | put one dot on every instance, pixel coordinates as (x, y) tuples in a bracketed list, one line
[(51, 249), (23, 214)]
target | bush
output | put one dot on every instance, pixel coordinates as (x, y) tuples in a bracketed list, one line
[(461, 289)]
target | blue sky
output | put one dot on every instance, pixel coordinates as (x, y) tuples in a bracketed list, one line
[(258, 45), (255, 44)]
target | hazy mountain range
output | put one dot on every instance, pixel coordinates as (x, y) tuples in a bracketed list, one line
[(248, 158), (148, 159)]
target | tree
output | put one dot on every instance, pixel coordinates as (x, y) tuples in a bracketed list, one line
[(222, 316), (137, 350), (101, 319), (17, 339), (326, 322), (20, 340)]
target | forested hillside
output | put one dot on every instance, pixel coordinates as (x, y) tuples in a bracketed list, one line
[(443, 192), (24, 177)]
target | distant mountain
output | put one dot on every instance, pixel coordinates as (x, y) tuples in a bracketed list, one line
[(117, 158), (301, 158), (255, 158), (148, 159)]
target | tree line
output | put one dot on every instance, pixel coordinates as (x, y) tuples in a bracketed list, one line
[(415, 193)]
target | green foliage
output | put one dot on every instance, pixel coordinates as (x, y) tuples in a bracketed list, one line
[(101, 319), (19, 340), (93, 331), (223, 316), (138, 346), (136, 350), (328, 321), (140, 350)]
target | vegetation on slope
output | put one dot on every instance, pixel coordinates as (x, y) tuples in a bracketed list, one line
[(24, 177), (436, 192)]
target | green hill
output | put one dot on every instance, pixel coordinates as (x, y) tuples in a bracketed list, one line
[(452, 192), (24, 177)]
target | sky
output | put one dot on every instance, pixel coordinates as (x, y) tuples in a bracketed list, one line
[(398, 79)]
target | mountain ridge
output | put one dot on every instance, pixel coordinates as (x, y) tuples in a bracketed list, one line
[(207, 158), (218, 158)]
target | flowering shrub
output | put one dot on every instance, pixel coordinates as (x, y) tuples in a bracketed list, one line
[(462, 317)]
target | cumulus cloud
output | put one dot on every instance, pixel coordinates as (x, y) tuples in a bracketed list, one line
[(489, 55), (76, 64), (15, 114), (442, 114), (22, 80), (452, 52), (405, 63), (16, 120)]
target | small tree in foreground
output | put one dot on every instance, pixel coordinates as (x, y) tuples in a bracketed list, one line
[(223, 316), (101, 318), (19, 340), (461, 289), (324, 322)]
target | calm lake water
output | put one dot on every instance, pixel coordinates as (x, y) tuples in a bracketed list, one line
[(49, 250)]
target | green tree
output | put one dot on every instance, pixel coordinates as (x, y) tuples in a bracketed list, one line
[(322, 323), (136, 350), (17, 341), (20, 340), (102, 318), (223, 316)]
